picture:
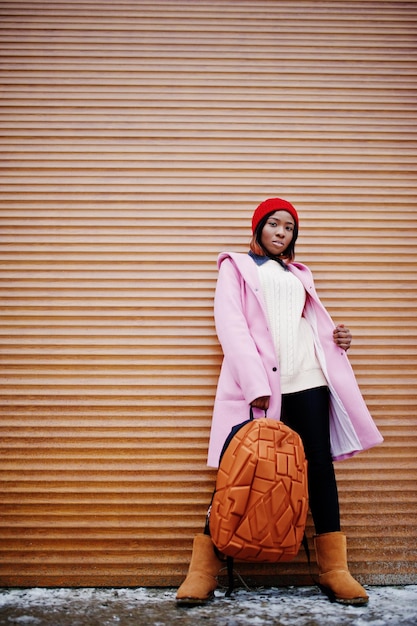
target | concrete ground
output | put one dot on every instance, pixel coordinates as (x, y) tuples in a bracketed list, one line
[(298, 606)]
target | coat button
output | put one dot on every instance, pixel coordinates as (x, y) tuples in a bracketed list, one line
[(274, 369)]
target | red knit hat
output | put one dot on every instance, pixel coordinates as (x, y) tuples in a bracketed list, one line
[(270, 206)]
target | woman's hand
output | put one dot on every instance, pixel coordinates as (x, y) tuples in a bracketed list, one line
[(261, 403), (342, 336)]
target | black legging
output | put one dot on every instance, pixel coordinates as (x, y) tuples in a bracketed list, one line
[(307, 412)]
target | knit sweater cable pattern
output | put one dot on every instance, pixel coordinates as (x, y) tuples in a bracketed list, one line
[(284, 297)]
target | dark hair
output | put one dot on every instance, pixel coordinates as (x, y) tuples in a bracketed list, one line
[(257, 247)]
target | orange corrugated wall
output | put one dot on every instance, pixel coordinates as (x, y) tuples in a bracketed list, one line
[(136, 140)]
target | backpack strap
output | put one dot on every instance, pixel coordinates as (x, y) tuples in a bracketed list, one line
[(251, 412), (229, 563), (306, 550)]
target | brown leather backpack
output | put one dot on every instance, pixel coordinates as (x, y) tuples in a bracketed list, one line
[(259, 507)]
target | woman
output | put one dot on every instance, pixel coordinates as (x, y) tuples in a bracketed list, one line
[(283, 354)]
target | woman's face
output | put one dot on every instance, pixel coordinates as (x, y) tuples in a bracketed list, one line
[(278, 232)]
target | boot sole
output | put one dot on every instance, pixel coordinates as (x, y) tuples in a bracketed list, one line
[(350, 601), (194, 601)]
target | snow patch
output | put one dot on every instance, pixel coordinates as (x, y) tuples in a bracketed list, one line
[(290, 606)]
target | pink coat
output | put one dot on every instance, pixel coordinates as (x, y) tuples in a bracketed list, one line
[(250, 368)]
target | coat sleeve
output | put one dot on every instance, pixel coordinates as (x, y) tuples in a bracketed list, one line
[(241, 354)]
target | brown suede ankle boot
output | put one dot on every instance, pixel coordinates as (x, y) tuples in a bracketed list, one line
[(201, 579), (334, 577)]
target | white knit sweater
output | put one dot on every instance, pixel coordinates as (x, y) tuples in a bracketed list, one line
[(293, 337)]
